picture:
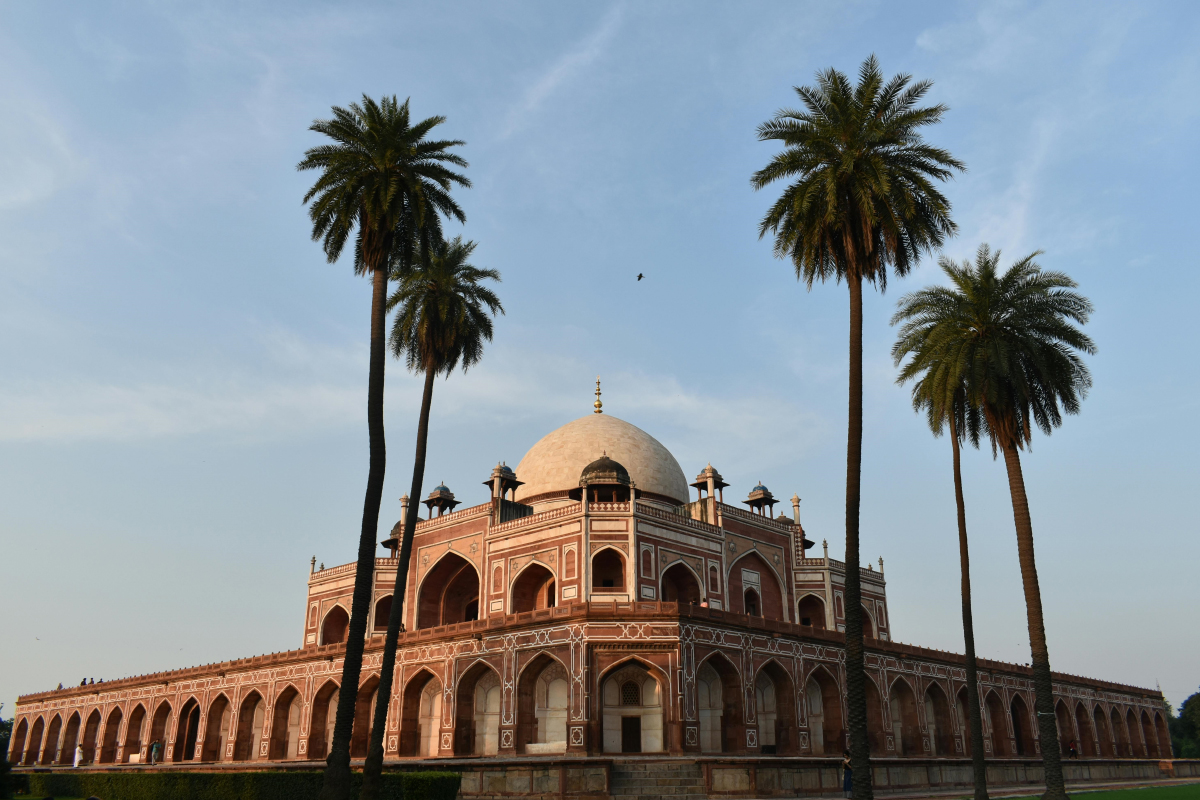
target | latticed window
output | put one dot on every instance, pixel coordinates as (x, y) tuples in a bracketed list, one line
[(631, 694)]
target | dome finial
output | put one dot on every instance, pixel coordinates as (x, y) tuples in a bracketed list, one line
[(598, 405)]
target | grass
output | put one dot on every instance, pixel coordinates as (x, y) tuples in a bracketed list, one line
[(1190, 791)]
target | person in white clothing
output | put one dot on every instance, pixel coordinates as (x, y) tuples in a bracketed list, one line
[(78, 754)]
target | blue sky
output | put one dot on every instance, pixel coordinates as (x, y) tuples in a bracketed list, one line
[(183, 376)]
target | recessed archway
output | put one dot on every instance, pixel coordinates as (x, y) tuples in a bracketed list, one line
[(1087, 738), (52, 732), (112, 730), (827, 731), (1137, 746), (631, 719), (91, 732), (722, 722), (876, 737), (66, 755), (811, 611), (998, 723), (216, 734), (383, 610), (534, 589), (18, 741), (1150, 736), (1164, 738), (285, 724), (449, 593), (680, 585), (964, 720), (477, 711), (608, 572), (751, 578), (34, 748), (1066, 729), (336, 626), (133, 733), (937, 720), (906, 727), (251, 714), (775, 706), (364, 716), (1022, 726), (543, 700), (1103, 732), (420, 716), (324, 715), (1121, 733), (159, 725)]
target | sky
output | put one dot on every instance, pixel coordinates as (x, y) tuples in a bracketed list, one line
[(183, 375)]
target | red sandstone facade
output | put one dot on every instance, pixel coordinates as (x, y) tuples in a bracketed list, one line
[(605, 614)]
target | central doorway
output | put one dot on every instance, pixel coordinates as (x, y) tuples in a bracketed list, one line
[(631, 734)]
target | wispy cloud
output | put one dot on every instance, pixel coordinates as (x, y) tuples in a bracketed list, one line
[(563, 70)]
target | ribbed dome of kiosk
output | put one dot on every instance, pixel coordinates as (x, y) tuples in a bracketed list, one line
[(556, 462)]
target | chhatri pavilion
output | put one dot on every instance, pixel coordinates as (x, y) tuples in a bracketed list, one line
[(596, 601)]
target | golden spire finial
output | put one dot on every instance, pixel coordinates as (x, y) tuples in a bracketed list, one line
[(598, 405)]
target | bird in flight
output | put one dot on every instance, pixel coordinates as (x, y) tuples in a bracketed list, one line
[(640, 276)]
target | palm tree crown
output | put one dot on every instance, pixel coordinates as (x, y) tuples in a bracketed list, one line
[(1011, 338), (443, 317), (864, 194), (382, 175)]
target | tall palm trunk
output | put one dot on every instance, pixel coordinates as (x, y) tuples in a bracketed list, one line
[(856, 690), (374, 766), (975, 720), (1040, 656), (336, 785)]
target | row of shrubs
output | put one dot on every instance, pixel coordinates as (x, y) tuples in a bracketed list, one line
[(225, 785)]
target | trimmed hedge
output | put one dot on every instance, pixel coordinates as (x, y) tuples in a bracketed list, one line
[(225, 785)]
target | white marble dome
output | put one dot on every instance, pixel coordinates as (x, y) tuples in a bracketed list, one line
[(556, 461)]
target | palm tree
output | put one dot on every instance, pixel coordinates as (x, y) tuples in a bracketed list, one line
[(1015, 340), (382, 180), (942, 393), (442, 321), (863, 198)]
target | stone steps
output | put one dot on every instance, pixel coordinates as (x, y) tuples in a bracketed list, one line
[(654, 780)]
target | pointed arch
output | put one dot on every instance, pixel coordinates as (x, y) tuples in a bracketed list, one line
[(998, 722), (34, 748), (532, 588), (133, 733), (811, 607), (1124, 749), (285, 723), (320, 726), (478, 692), (17, 747), (335, 625), (725, 704), (1087, 736), (1022, 723), (823, 694), (1104, 735), (543, 703), (608, 571), (160, 724), (876, 735), (775, 707), (1138, 746), (769, 587), (870, 629), (251, 714), (364, 715), (216, 729), (448, 593), (632, 707), (49, 750), (1066, 727), (937, 720), (906, 725), (964, 720), (679, 583), (415, 738), (1164, 737), (381, 613)]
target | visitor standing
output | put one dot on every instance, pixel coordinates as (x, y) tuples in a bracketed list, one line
[(847, 775), (154, 747), (78, 754)]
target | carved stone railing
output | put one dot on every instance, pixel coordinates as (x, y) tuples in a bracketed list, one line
[(678, 519), (534, 519)]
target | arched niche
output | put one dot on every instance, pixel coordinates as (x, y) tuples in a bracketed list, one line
[(18, 741), (534, 589), (1103, 732), (876, 736), (1164, 738), (751, 574), (159, 724), (870, 631), (449, 593), (1087, 738), (826, 729), (719, 689), (1022, 723), (811, 611), (680, 585), (1066, 729), (364, 716), (420, 715), (906, 726), (34, 748), (1121, 734), (66, 755), (477, 711), (775, 707), (133, 732), (251, 713), (631, 719), (336, 626), (324, 715), (937, 721), (112, 730), (285, 724), (383, 610), (187, 731), (216, 734), (543, 702), (608, 571), (998, 722), (52, 733)]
